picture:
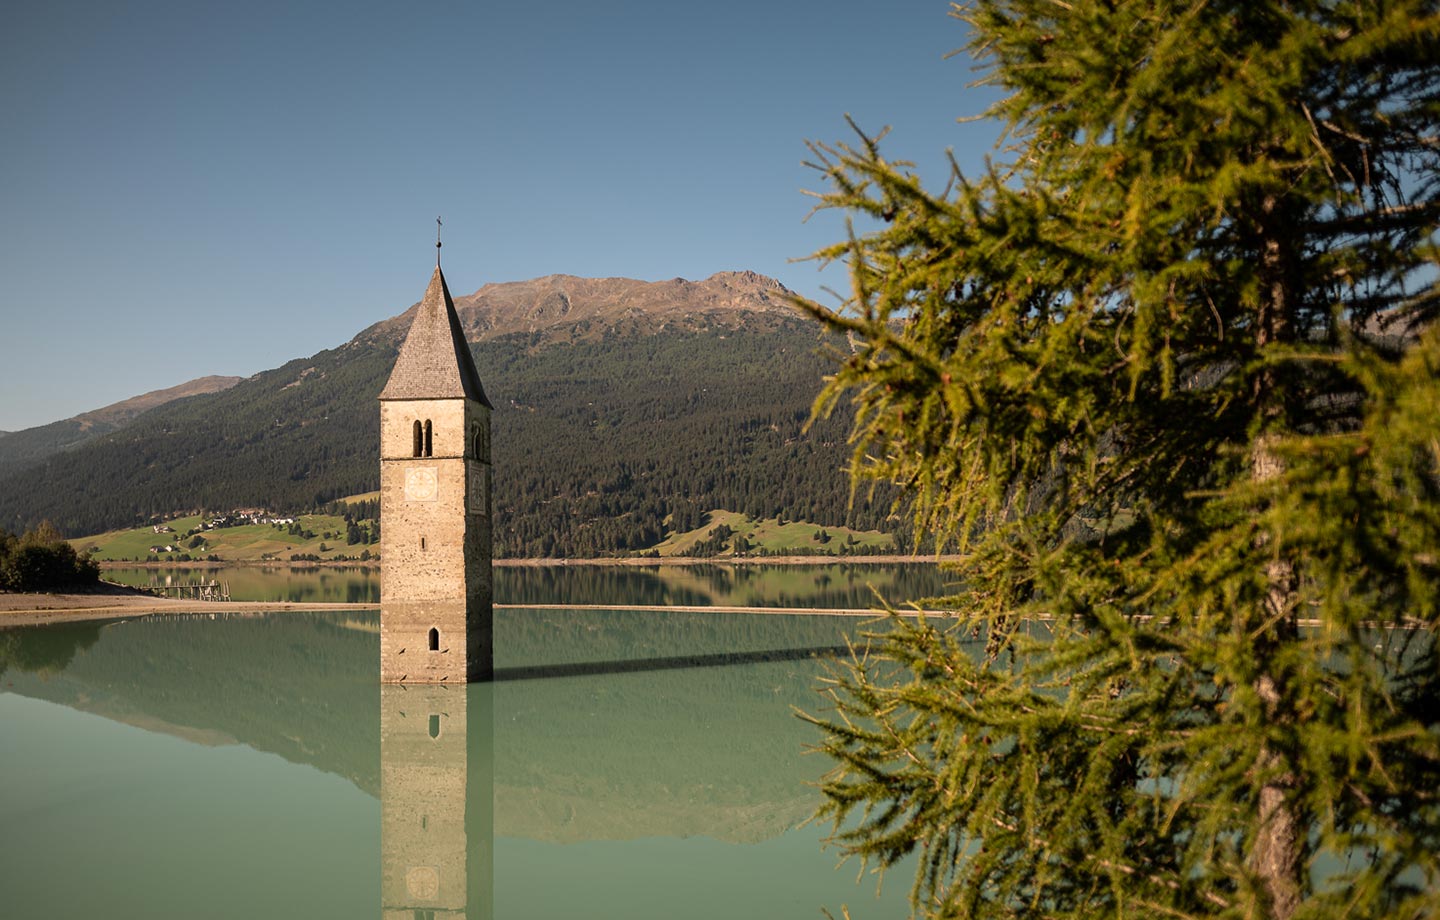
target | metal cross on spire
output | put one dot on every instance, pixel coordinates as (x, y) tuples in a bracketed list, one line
[(437, 242)]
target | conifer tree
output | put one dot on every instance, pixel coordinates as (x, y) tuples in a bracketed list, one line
[(1167, 377)]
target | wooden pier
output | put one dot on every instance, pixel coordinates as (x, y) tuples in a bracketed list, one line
[(195, 591)]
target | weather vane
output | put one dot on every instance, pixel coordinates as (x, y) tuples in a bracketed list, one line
[(437, 242)]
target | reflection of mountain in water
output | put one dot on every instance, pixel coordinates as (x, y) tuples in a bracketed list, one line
[(712, 751), (849, 585), (293, 685), (834, 585)]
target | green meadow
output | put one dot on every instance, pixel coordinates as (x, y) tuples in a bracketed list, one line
[(323, 537), (320, 535)]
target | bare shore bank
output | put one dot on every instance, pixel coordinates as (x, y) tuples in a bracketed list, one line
[(111, 601)]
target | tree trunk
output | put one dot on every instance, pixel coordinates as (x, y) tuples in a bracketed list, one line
[(1276, 853), (1275, 857)]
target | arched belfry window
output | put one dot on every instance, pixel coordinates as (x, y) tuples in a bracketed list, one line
[(419, 440), (434, 639), (429, 444), (475, 447)]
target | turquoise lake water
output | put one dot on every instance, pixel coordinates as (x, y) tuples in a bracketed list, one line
[(623, 764)]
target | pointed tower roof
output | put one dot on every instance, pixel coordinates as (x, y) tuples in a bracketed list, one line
[(435, 360)]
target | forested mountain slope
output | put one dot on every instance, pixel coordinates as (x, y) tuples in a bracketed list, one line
[(23, 448), (604, 428)]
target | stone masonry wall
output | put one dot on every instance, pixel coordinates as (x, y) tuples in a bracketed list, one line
[(435, 544)]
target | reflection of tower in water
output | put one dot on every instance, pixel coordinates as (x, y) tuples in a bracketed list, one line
[(436, 808)]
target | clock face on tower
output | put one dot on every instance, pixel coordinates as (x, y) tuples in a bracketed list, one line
[(423, 882), (421, 484)]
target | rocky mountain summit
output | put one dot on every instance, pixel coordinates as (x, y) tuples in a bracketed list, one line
[(569, 308), (118, 414)]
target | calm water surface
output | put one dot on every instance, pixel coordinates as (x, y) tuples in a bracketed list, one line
[(624, 764), (836, 585)]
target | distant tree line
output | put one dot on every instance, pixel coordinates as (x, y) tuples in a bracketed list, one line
[(362, 520), (40, 560)]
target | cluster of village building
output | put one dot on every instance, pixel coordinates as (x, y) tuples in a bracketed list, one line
[(236, 518)]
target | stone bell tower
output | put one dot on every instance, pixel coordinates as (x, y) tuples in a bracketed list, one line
[(435, 538)]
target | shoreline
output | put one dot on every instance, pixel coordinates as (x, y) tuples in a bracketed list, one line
[(120, 602), (112, 601), (603, 561)]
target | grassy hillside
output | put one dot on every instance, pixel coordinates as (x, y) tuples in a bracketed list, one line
[(726, 533), (323, 537)]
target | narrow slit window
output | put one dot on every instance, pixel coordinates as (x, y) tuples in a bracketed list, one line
[(434, 639), (419, 440), (422, 544), (429, 444)]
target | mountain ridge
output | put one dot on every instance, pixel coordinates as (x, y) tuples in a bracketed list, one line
[(564, 307), (29, 445), (119, 412)]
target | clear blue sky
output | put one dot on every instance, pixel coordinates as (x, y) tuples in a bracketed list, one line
[(195, 188)]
